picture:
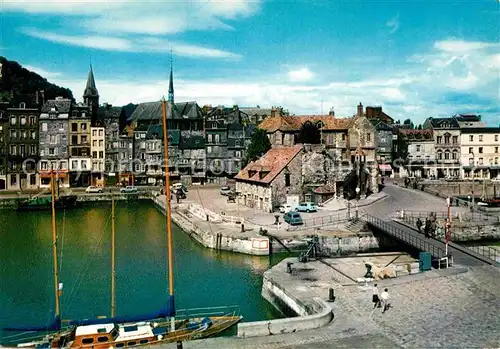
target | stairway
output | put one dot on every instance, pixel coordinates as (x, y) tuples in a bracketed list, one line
[(355, 226)]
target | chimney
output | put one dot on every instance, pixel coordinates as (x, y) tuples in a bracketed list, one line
[(360, 109), (275, 112), (331, 112)]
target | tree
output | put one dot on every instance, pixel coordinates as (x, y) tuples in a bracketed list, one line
[(419, 127), (409, 124), (309, 134), (259, 145)]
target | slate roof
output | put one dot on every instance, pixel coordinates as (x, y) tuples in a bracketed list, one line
[(380, 125), (441, 122), (90, 88), (107, 112), (271, 165), (468, 117), (61, 105), (151, 111), (294, 123), (481, 130), (256, 111)]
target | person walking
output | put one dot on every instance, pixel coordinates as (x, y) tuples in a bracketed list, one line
[(385, 300), (375, 297), (419, 225)]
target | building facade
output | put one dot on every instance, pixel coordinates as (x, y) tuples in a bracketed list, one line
[(111, 117), (480, 152), (265, 183), (4, 124), (421, 161), (79, 146), (98, 155), (54, 141), (446, 132), (22, 146)]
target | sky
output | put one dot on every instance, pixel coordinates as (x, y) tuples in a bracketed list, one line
[(416, 59)]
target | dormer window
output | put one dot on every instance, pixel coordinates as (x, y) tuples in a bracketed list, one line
[(22, 105), (251, 173), (263, 174)]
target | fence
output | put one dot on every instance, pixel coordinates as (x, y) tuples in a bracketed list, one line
[(405, 236), (323, 221), (475, 217), (489, 252)]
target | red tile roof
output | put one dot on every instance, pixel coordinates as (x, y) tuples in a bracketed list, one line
[(270, 165), (294, 123)]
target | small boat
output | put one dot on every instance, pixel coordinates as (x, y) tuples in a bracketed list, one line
[(125, 331), (44, 203), (489, 202)]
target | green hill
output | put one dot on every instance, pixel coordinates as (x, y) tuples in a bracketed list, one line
[(18, 84)]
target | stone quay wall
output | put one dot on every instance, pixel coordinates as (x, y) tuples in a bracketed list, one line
[(457, 188)]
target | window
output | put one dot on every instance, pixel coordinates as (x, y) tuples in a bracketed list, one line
[(101, 133), (74, 140), (480, 150), (237, 153), (52, 151), (496, 149), (101, 155), (440, 139), (440, 155), (368, 137), (446, 139), (33, 149), (480, 162), (447, 155), (44, 165), (32, 179), (23, 120), (74, 127), (102, 339), (496, 161), (94, 143), (13, 179), (101, 143), (12, 120), (84, 139), (84, 165), (53, 139), (83, 126), (88, 340), (496, 138), (32, 120), (33, 134), (217, 138), (343, 136), (471, 150), (13, 149), (454, 155), (471, 138), (94, 154), (94, 133), (22, 150), (44, 127), (480, 138), (287, 179), (455, 139), (209, 150), (13, 134), (74, 164), (418, 147), (209, 138)]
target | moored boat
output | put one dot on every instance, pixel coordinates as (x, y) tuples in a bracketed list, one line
[(44, 203)]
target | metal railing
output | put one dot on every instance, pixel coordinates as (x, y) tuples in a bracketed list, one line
[(475, 217), (405, 236), (487, 251), (323, 221)]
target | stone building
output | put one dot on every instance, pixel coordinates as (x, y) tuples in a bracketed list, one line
[(4, 124), (421, 161), (265, 183), (446, 132), (139, 166), (480, 152), (22, 146), (154, 155), (383, 139), (98, 154), (469, 120), (124, 155), (80, 164), (376, 113), (54, 142), (256, 114), (111, 117)]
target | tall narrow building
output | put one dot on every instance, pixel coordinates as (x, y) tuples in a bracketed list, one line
[(91, 96)]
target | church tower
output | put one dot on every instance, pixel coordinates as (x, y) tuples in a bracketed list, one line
[(91, 96), (171, 83)]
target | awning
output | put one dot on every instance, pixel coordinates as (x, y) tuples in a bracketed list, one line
[(57, 174), (385, 167)]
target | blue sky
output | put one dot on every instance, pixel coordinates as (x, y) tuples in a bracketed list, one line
[(415, 58)]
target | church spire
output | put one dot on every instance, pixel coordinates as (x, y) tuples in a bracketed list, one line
[(171, 82)]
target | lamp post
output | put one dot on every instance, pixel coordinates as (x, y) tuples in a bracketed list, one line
[(357, 200)]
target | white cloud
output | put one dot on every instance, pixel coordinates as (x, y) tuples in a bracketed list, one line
[(143, 44), (393, 24), (461, 47), (42, 72), (303, 74), (142, 17)]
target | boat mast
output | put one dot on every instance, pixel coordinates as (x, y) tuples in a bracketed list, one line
[(167, 209), (54, 242), (112, 256)]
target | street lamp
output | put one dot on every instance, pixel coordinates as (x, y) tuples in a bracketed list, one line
[(357, 200)]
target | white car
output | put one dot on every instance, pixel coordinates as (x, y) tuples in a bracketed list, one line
[(285, 208), (93, 189)]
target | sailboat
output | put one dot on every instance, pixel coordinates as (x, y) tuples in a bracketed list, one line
[(128, 331)]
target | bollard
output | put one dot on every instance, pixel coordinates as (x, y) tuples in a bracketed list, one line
[(331, 295), (242, 227), (289, 267), (179, 345)]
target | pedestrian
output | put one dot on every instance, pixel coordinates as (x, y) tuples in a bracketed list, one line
[(419, 225), (385, 300), (375, 297)]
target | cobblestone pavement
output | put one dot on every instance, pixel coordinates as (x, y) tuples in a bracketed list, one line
[(450, 308)]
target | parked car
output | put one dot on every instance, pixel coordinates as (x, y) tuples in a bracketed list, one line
[(225, 191), (306, 207), (128, 189), (285, 208), (179, 185), (93, 189), (293, 218)]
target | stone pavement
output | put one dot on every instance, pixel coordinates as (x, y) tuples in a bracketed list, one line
[(450, 308)]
